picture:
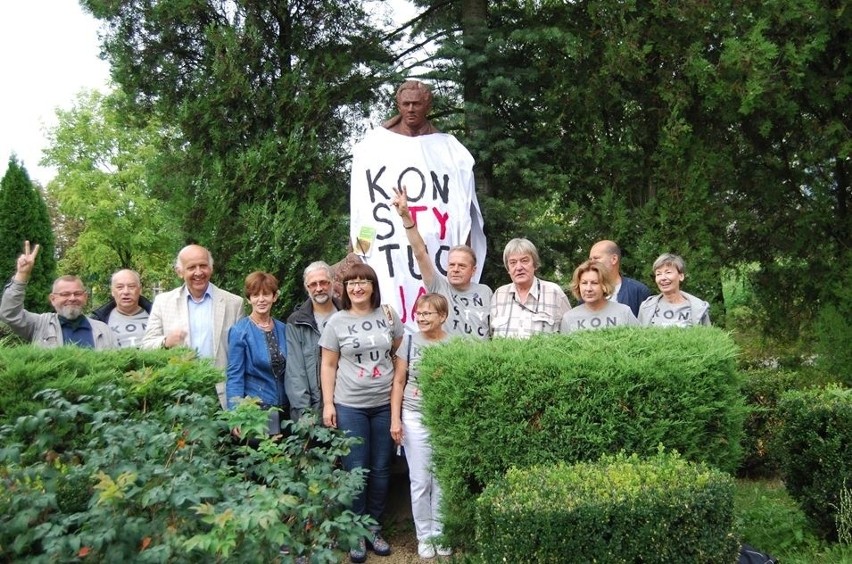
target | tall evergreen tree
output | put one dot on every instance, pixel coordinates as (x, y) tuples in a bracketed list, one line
[(266, 98), (24, 217)]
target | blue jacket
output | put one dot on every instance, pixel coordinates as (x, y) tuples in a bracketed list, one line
[(632, 293), (249, 372)]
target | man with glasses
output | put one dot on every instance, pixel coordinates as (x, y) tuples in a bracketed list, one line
[(67, 326), (127, 311), (304, 327)]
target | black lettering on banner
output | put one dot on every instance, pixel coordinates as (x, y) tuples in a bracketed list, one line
[(412, 196), (385, 220), (437, 190), (373, 187), (387, 250), (411, 263), (441, 250)]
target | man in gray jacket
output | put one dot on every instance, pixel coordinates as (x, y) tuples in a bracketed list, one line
[(304, 327), (67, 326)]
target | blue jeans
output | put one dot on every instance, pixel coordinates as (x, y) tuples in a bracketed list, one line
[(372, 426)]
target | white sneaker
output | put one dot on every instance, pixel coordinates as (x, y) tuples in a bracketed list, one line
[(443, 550), (425, 549)]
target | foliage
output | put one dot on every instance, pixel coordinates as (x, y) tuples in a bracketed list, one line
[(265, 99), (718, 131), (150, 377), (171, 485), (493, 405), (834, 330), (618, 509), (815, 448), (24, 217), (769, 520), (762, 390), (102, 185)]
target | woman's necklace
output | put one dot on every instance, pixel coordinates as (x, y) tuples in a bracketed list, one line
[(265, 325)]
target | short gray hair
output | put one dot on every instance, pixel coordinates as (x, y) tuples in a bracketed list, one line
[(669, 259), (318, 265), (520, 246)]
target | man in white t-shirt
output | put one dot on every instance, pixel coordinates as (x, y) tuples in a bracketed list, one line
[(127, 311)]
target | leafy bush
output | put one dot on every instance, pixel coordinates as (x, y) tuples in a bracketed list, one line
[(494, 405), (834, 333), (171, 485), (150, 376), (620, 509), (815, 446), (762, 390)]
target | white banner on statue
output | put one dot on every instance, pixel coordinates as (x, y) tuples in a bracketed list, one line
[(437, 171)]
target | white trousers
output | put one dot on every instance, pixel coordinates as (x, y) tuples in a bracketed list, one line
[(425, 492)]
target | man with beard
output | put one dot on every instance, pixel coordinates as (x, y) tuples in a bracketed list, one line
[(304, 327), (68, 326)]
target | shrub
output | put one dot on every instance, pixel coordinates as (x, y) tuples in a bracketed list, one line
[(762, 390), (493, 405), (815, 444), (620, 509), (149, 376), (171, 485)]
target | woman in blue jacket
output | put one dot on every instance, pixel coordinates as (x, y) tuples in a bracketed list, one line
[(257, 351)]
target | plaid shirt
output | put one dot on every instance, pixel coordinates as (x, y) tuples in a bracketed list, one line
[(541, 312)]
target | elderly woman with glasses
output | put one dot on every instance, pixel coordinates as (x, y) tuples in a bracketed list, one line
[(672, 306), (358, 347), (407, 427)]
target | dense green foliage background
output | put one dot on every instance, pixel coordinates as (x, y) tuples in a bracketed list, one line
[(719, 131)]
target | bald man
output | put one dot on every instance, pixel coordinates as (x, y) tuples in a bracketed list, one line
[(127, 311), (627, 291), (197, 314)]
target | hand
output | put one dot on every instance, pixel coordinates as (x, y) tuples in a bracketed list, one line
[(400, 201), (396, 431), (329, 416), (24, 266), (176, 338)]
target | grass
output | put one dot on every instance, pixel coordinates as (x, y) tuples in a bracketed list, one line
[(770, 521)]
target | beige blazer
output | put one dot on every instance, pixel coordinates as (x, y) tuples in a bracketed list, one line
[(170, 312)]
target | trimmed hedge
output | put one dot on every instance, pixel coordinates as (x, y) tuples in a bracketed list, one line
[(493, 405), (620, 509), (815, 444), (762, 390), (149, 376)]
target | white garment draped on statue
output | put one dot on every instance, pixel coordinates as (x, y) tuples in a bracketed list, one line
[(438, 173)]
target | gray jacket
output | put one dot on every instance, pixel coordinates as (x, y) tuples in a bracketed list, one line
[(699, 314), (301, 379), (43, 329)]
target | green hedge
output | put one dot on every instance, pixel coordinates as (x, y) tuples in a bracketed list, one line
[(762, 390), (620, 509), (815, 446), (493, 405), (149, 376)]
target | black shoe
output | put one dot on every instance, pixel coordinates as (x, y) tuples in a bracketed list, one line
[(379, 545), (358, 555)]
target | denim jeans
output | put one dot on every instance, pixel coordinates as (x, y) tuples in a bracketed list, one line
[(372, 426)]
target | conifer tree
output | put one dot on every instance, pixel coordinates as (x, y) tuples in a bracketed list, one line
[(24, 216)]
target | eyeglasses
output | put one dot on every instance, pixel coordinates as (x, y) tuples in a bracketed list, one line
[(318, 284), (426, 313), (358, 283), (66, 295)]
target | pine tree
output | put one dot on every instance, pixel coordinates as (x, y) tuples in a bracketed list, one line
[(24, 217)]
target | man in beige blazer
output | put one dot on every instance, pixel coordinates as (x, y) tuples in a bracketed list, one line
[(197, 315)]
